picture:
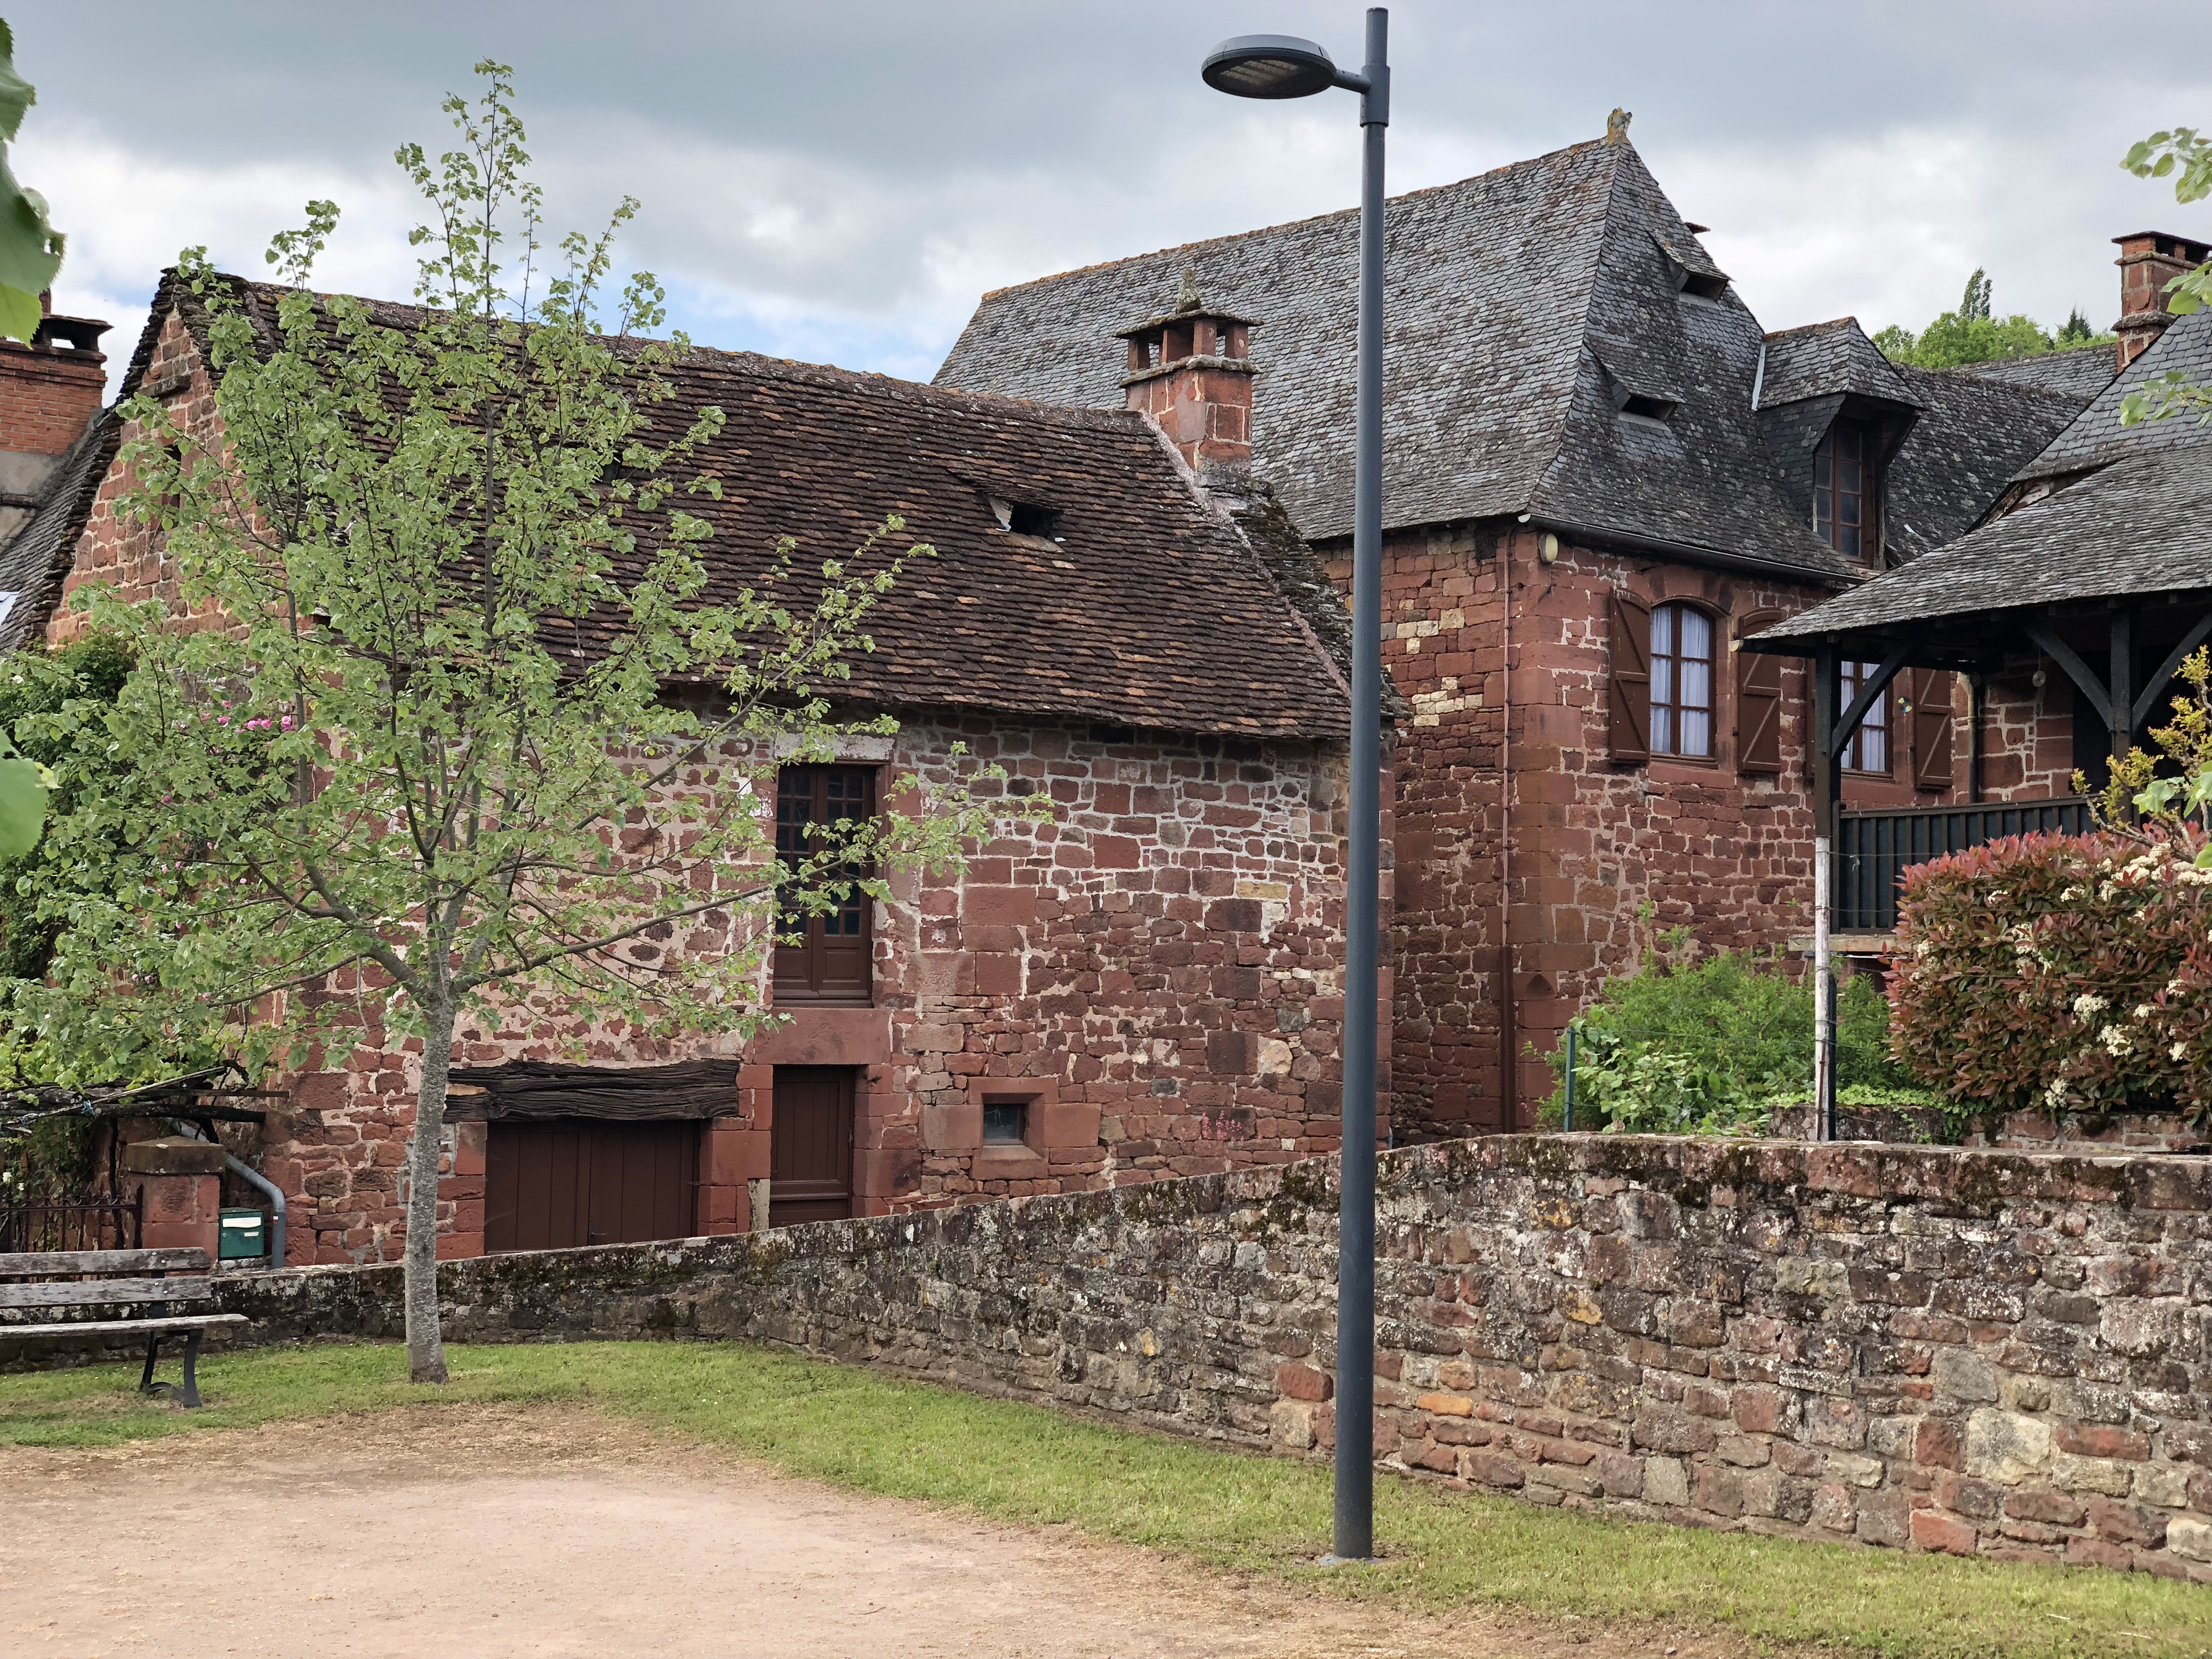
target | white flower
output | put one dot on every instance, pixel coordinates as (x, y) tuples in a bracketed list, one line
[(2071, 894), (2144, 1010), (2116, 1039), (2087, 1004), (2055, 1095), (2181, 1051)]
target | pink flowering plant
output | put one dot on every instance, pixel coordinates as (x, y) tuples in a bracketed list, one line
[(441, 728), (2059, 973)]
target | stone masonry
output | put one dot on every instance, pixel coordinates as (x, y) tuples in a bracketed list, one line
[(1977, 1353)]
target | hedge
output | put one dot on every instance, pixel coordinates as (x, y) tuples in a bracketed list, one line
[(2059, 973)]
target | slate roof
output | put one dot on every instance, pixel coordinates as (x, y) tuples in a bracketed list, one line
[(36, 560), (1974, 433), (1150, 610), (1523, 305), (2097, 436), (2140, 527), (1822, 359), (2079, 375)]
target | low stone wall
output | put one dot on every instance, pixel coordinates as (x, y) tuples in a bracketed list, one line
[(1975, 1351), (2027, 1132)]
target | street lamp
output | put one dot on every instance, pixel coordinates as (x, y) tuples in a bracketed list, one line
[(1280, 66)]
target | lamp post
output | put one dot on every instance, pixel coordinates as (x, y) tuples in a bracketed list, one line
[(1280, 66)]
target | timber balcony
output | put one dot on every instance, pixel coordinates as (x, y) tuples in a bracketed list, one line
[(1875, 849)]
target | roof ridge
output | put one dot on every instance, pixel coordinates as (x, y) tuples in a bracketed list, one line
[(1557, 440), (1286, 224), (1849, 320)]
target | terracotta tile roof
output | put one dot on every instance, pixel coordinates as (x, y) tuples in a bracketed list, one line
[(1145, 608)]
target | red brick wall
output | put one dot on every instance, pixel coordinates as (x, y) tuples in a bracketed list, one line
[(47, 395), (1605, 858), (116, 551), (1158, 971)]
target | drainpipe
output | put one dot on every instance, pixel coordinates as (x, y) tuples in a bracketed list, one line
[(268, 1189)]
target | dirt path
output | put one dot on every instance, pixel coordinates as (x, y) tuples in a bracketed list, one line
[(566, 1534)]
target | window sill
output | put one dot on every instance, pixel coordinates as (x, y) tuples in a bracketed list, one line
[(780, 998)]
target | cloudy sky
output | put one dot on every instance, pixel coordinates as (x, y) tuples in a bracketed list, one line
[(836, 181)]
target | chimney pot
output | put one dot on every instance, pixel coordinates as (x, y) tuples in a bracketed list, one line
[(50, 391), (1191, 370), (2149, 261)]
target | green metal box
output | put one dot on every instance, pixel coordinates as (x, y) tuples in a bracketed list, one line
[(244, 1234)]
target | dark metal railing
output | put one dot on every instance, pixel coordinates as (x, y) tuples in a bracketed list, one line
[(1874, 849), (92, 1224)]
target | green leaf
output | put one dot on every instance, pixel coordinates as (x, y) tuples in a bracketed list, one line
[(22, 805), (30, 249), (16, 95), (19, 315)]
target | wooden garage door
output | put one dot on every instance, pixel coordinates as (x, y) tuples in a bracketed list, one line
[(582, 1181), (811, 1146)]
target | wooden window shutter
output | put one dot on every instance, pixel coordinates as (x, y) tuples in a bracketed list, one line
[(1628, 678), (1930, 735), (1758, 699)]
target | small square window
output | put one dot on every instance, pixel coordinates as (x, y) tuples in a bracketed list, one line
[(1004, 1122)]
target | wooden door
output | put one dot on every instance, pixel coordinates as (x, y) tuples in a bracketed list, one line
[(811, 1159), (553, 1185)]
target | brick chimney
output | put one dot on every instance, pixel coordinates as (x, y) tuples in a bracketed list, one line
[(1191, 370), (2149, 261), (49, 390)]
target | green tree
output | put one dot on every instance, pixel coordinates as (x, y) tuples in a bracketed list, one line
[(1971, 334), (1968, 335), (30, 248), (389, 791)]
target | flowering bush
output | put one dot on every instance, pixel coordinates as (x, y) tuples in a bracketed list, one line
[(2059, 972)]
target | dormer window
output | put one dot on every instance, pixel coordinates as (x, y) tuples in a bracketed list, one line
[(1706, 285), (1652, 409), (1843, 493)]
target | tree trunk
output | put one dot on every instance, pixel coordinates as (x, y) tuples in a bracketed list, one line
[(426, 1344)]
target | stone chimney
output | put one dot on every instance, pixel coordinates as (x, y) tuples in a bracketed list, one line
[(1191, 370), (2149, 261), (49, 390)]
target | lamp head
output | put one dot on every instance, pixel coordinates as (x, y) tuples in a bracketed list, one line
[(1268, 66)]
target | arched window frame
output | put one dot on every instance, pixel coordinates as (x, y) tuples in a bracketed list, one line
[(1678, 673)]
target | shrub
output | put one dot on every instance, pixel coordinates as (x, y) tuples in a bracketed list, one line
[(2059, 972), (1708, 1049)]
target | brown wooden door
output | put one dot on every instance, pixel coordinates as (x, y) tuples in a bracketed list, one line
[(553, 1185), (810, 1163), (823, 956)]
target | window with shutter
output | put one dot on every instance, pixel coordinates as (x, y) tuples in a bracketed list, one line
[(1868, 748), (1681, 664), (1758, 699), (1628, 678), (1929, 691)]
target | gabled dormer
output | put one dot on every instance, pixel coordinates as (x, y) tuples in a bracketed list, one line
[(1834, 412)]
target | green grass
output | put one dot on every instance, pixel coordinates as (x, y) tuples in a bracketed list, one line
[(1021, 1463)]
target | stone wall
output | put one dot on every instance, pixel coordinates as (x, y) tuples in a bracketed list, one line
[(1155, 972), (1604, 857), (1972, 1351), (2024, 1132)]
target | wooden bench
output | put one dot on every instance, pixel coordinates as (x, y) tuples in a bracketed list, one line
[(117, 1278)]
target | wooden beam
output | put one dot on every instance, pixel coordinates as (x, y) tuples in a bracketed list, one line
[(2075, 670), (1891, 666), (2166, 670)]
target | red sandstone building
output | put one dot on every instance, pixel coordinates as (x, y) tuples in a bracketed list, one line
[(1603, 476), (1147, 984)]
